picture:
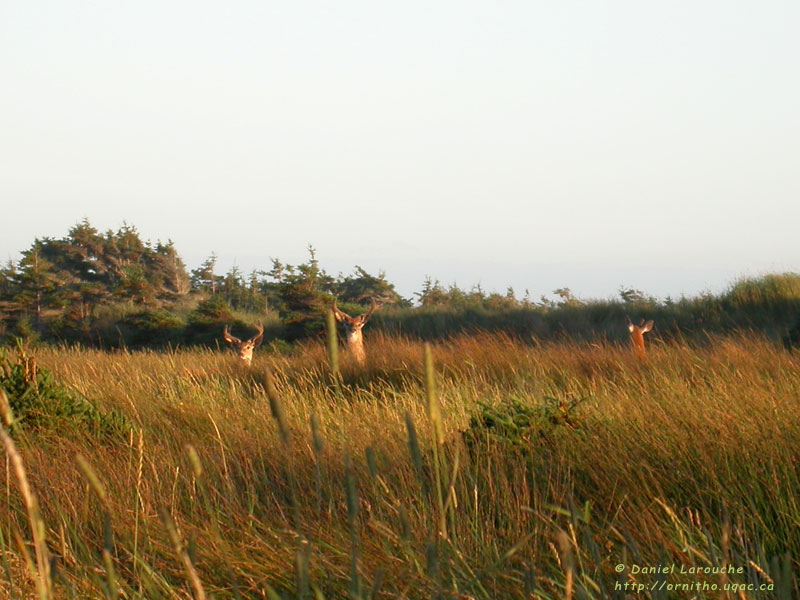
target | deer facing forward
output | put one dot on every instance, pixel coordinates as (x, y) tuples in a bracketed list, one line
[(245, 349), (353, 327)]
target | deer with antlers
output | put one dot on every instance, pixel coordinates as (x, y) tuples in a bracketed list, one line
[(353, 327), (245, 349), (637, 336)]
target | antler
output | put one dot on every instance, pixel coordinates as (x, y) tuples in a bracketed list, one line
[(339, 314), (256, 339), (229, 338), (372, 309)]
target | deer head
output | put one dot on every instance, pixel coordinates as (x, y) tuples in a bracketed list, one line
[(245, 349), (637, 336), (353, 327)]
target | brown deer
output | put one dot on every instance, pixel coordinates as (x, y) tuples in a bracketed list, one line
[(245, 349), (637, 336), (353, 327)]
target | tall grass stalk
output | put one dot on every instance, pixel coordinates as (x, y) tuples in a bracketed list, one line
[(435, 415), (333, 348), (180, 550), (137, 498), (112, 589), (351, 498), (303, 549), (42, 571)]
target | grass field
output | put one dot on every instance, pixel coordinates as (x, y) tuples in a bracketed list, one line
[(576, 458)]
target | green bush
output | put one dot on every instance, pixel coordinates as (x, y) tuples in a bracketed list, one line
[(211, 311), (517, 426), (38, 401), (207, 320), (150, 327)]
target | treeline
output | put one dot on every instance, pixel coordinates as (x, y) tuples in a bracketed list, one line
[(114, 289), (93, 287)]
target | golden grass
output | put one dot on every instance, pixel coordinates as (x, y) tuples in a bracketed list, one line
[(205, 497)]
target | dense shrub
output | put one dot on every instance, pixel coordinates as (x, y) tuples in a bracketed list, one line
[(37, 400), (211, 311), (150, 327), (205, 322), (517, 426)]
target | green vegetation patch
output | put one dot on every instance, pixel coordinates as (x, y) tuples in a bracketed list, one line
[(150, 327), (516, 425), (38, 401)]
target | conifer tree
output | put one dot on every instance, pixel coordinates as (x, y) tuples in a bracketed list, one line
[(203, 278)]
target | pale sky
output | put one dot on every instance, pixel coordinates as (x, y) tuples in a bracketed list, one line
[(536, 144)]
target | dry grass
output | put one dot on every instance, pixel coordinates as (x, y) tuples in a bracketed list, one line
[(690, 458)]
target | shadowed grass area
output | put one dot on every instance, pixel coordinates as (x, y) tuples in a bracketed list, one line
[(274, 480)]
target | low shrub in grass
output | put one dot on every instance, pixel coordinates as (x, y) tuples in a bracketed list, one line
[(38, 401), (517, 425)]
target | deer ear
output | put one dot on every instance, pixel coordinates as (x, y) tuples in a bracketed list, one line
[(631, 327), (647, 326)]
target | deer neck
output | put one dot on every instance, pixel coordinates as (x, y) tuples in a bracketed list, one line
[(355, 343), (637, 337)]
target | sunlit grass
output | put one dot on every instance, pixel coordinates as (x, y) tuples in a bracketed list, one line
[(689, 458)]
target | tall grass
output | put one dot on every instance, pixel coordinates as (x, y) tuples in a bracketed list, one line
[(277, 482)]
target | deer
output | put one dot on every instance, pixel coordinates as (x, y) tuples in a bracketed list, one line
[(637, 336), (353, 327), (245, 349)]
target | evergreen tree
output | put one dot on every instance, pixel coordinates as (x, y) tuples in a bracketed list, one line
[(168, 271), (303, 292), (361, 285), (66, 279), (37, 282), (203, 278), (432, 294), (8, 289)]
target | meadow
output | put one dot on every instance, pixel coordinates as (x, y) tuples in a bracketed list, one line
[(501, 468)]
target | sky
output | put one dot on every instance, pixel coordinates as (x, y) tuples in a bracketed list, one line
[(532, 144)]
